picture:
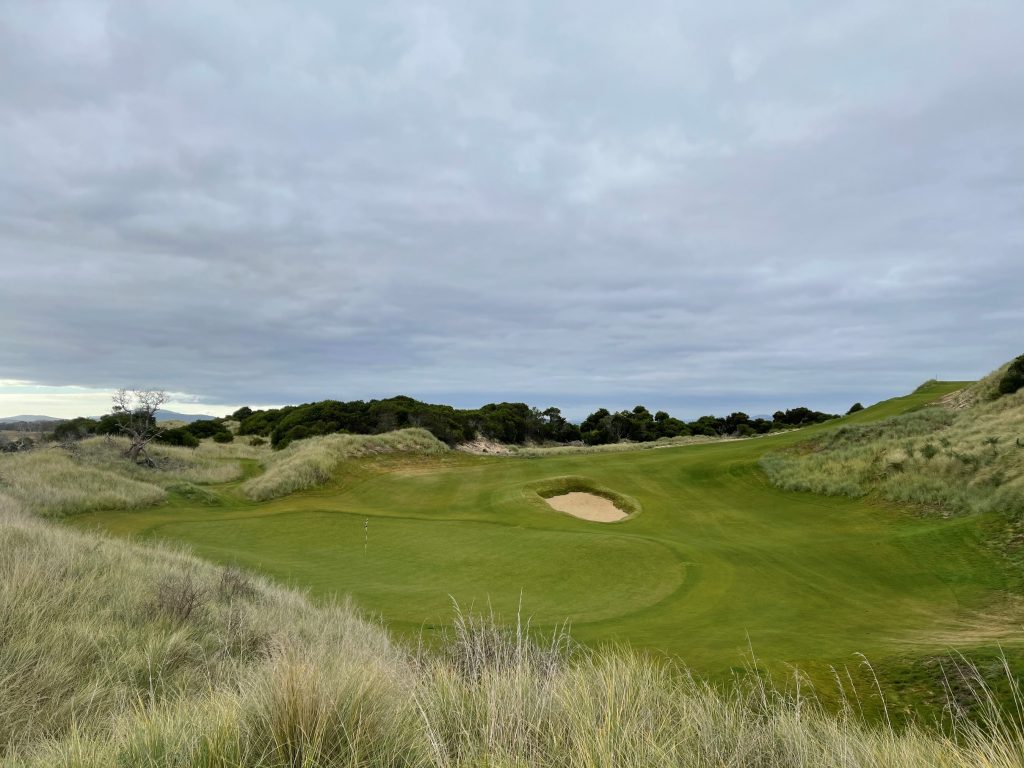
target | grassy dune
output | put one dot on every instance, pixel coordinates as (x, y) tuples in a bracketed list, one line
[(946, 461), (93, 474), (53, 484), (115, 653), (310, 463)]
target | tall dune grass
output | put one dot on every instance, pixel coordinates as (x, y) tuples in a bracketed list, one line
[(53, 484), (951, 461), (102, 666), (94, 474), (209, 463), (309, 463)]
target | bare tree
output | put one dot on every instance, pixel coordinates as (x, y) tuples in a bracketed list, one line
[(135, 410)]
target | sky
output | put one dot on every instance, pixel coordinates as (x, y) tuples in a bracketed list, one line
[(701, 207)]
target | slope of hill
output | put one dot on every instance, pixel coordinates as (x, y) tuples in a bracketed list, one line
[(187, 418), (16, 419), (963, 455)]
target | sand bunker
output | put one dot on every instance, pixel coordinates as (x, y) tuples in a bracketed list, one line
[(586, 506)]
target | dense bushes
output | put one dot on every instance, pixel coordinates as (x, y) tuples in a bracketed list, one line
[(1013, 379), (187, 436), (507, 422), (640, 426), (516, 423), (179, 436), (75, 429)]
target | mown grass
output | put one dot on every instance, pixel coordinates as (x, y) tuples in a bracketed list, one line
[(541, 451), (118, 654)]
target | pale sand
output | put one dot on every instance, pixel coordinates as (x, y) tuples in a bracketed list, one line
[(586, 506)]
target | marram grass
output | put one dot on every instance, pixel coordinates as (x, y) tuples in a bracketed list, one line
[(309, 463), (52, 483), (949, 461), (93, 474), (115, 654)]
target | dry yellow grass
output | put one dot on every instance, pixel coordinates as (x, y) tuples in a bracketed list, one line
[(51, 483), (209, 463), (94, 474)]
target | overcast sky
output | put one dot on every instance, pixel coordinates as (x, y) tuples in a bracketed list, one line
[(696, 206)]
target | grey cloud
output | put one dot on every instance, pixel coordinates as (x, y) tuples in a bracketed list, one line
[(571, 203)]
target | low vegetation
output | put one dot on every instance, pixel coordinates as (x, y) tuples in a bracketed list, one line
[(946, 460), (94, 474), (116, 653), (174, 433), (206, 464), (311, 462), (53, 484)]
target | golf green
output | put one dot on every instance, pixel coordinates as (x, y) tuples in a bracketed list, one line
[(717, 561)]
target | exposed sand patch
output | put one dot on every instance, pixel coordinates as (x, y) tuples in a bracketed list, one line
[(586, 506), (481, 445)]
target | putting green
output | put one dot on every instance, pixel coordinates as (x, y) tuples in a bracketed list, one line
[(472, 563), (719, 561)]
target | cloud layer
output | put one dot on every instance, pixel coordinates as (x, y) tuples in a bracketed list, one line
[(575, 203)]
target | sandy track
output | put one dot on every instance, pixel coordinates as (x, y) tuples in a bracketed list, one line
[(586, 506)]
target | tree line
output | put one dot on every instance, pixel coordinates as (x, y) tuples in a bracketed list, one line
[(513, 423), (120, 423), (516, 423)]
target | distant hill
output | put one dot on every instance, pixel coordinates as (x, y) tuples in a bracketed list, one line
[(41, 422), (188, 418)]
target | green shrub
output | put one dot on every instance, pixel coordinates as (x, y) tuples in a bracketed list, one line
[(1013, 379), (75, 429), (180, 436)]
